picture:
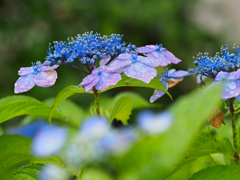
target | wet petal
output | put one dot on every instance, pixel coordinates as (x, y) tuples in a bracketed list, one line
[(231, 88), (233, 75), (102, 68), (146, 49), (89, 86), (24, 83), (125, 56), (118, 64), (170, 56), (140, 71), (149, 61), (45, 78), (88, 79), (162, 60), (25, 71), (104, 60), (108, 79), (221, 75)]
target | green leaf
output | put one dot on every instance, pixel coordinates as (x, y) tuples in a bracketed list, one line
[(74, 114), (14, 106), (127, 81), (220, 172), (14, 149), (27, 172), (205, 144), (64, 94), (154, 157), (122, 109)]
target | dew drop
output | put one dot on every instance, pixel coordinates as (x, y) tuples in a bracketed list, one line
[(232, 85)]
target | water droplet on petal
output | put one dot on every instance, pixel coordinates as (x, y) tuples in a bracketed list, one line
[(232, 85)]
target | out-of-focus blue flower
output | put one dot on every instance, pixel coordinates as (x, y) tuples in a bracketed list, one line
[(53, 172), (49, 140), (101, 78), (231, 84), (118, 141), (135, 66), (169, 79), (162, 55), (29, 130), (154, 123), (39, 74)]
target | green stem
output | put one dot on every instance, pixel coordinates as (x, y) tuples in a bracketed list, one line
[(234, 130), (96, 97)]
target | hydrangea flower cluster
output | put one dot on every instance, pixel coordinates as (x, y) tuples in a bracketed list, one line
[(115, 57), (224, 69), (211, 66)]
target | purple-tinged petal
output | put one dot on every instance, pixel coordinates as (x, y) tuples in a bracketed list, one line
[(104, 60), (88, 79), (102, 68), (118, 64), (179, 74), (149, 61), (25, 71), (162, 60), (238, 98), (221, 75), (48, 68), (24, 83), (170, 56), (89, 86), (146, 49), (125, 56), (45, 78), (233, 75), (170, 72), (140, 71), (231, 88), (108, 79), (158, 93)]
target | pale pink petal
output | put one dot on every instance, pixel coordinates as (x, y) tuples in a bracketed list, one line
[(146, 49), (89, 86), (25, 71), (104, 60), (24, 83), (107, 79), (99, 69), (140, 71), (45, 78), (125, 56)]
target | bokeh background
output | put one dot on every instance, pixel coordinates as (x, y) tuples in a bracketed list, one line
[(183, 27)]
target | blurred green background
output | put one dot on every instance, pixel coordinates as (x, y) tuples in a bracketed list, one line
[(27, 27)]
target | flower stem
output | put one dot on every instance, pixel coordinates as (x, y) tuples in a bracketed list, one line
[(96, 97), (234, 130), (78, 68)]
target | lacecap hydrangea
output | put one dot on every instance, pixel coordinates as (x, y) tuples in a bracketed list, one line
[(115, 56)]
